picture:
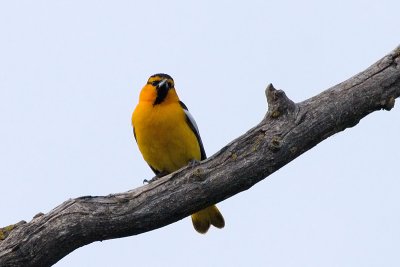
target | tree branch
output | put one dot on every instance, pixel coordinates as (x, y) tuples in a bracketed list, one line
[(287, 131)]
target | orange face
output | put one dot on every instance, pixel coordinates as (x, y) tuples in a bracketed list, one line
[(159, 89)]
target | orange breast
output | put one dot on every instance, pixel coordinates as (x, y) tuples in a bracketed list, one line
[(164, 138)]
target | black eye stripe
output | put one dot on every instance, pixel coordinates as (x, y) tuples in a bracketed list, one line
[(153, 83)]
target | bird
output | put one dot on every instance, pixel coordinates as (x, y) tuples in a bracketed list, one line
[(169, 139)]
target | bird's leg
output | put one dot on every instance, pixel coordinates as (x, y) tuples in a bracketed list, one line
[(193, 162)]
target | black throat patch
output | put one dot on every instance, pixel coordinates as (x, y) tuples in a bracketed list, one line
[(162, 93)]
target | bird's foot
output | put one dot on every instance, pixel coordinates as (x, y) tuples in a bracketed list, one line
[(155, 178)]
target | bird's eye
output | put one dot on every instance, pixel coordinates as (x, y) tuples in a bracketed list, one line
[(169, 84), (155, 83)]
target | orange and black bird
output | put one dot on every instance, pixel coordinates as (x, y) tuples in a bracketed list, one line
[(168, 138)]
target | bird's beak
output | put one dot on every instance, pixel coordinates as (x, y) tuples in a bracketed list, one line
[(163, 83)]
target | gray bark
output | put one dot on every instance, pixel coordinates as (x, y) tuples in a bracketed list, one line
[(288, 130)]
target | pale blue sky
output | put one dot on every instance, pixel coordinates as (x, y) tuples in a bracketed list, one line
[(70, 75)]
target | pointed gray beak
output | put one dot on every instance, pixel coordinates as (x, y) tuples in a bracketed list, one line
[(163, 83)]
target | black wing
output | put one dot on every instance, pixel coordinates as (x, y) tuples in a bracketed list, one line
[(193, 126)]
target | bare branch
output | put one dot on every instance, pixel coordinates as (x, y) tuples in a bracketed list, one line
[(287, 131)]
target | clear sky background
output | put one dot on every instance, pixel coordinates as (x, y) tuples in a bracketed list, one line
[(70, 75)]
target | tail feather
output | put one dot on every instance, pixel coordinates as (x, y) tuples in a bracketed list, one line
[(202, 219), (216, 217)]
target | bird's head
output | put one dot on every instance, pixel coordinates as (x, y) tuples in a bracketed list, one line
[(159, 89)]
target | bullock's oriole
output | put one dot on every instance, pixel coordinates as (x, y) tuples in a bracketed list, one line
[(169, 139)]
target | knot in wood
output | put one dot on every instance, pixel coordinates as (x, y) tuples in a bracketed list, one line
[(275, 144), (198, 176), (278, 103)]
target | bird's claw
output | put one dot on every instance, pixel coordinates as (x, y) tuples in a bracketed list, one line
[(155, 178), (145, 181)]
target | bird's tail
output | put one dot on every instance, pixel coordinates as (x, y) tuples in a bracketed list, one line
[(202, 219)]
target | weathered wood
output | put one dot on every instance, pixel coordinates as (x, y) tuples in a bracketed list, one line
[(287, 131)]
